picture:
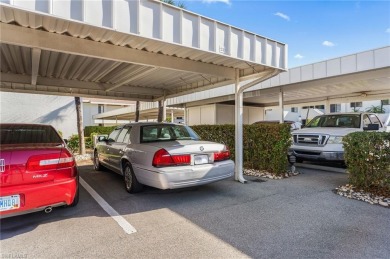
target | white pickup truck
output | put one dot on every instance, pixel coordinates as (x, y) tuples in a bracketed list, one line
[(322, 138)]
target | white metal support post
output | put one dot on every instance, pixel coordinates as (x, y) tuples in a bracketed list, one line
[(238, 176), (164, 109), (327, 106), (185, 115), (239, 90), (164, 105), (281, 105)]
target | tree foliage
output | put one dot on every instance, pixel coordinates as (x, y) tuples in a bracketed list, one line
[(172, 2), (376, 109)]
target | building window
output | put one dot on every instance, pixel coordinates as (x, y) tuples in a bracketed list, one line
[(385, 102), (356, 104), (100, 108), (321, 107), (294, 109), (335, 107), (307, 107)]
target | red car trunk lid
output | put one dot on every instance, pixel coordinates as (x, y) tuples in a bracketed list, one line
[(33, 164)]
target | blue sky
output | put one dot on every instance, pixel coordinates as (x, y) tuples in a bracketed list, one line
[(313, 30)]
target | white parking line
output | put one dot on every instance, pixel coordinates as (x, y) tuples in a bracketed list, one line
[(127, 227)]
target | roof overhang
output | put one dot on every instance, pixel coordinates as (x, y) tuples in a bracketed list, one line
[(358, 77), (154, 51)]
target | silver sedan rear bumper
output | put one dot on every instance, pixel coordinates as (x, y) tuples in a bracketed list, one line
[(184, 176)]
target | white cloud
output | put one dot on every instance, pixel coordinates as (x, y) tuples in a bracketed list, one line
[(328, 43), (228, 2), (282, 15), (298, 56), (388, 30)]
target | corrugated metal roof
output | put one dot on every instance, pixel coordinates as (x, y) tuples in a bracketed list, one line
[(157, 56)]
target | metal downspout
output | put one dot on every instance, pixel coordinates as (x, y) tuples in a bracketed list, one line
[(239, 90)]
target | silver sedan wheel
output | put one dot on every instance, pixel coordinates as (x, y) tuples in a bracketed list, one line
[(96, 162), (128, 178), (131, 183)]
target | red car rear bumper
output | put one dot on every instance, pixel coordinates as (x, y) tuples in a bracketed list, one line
[(36, 197)]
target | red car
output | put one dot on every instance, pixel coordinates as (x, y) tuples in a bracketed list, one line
[(37, 171)]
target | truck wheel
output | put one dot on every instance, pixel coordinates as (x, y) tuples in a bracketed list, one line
[(131, 183), (299, 160)]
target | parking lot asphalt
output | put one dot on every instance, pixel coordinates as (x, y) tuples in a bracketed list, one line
[(298, 217)]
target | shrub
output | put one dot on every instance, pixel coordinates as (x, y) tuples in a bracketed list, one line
[(265, 146), (367, 155), (88, 130), (218, 133), (88, 142), (73, 143)]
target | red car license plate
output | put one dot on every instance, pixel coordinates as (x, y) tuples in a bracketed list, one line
[(9, 202)]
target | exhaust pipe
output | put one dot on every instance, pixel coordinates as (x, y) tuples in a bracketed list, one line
[(48, 209)]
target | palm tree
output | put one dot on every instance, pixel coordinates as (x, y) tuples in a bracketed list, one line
[(376, 109), (80, 129), (137, 111), (172, 2)]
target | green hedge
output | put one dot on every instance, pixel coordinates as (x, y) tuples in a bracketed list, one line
[(73, 143), (265, 145), (367, 155), (88, 130)]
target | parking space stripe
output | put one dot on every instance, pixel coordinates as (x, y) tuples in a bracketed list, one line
[(127, 227)]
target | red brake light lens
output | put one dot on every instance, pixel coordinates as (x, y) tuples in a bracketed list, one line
[(182, 159), (223, 155), (50, 161), (163, 158)]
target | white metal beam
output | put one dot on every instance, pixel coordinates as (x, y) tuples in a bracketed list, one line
[(81, 92), (21, 36), (35, 58), (138, 75), (25, 79), (198, 89)]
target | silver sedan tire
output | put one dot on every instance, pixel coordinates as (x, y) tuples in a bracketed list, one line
[(131, 183), (96, 163)]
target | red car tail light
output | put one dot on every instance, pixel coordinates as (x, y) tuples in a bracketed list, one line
[(50, 161), (223, 155), (163, 158)]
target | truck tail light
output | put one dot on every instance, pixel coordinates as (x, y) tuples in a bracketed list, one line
[(163, 158), (52, 161), (222, 155)]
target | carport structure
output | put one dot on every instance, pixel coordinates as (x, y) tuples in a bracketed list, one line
[(357, 77), (132, 50)]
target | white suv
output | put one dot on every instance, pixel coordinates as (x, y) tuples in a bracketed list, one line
[(322, 138)]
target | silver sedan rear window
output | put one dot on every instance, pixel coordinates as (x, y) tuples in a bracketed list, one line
[(167, 132)]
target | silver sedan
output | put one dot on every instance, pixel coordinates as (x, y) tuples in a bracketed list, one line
[(162, 155)]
